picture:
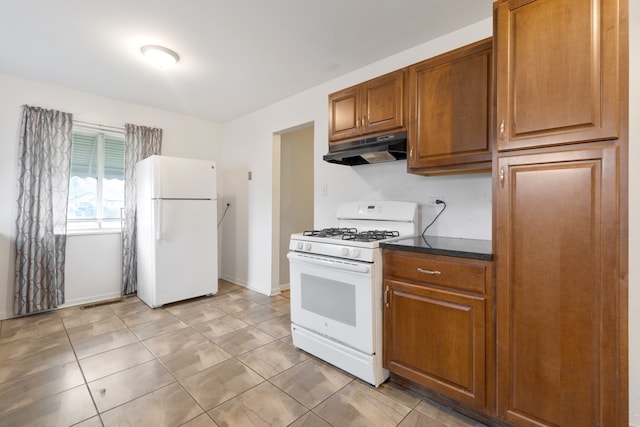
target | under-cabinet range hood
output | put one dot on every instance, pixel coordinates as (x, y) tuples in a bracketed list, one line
[(385, 148)]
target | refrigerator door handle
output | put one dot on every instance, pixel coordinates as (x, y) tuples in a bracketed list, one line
[(158, 219)]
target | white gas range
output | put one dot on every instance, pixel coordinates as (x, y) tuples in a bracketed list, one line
[(336, 285)]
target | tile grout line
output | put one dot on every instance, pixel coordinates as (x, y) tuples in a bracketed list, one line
[(138, 340), (269, 380), (178, 381), (155, 358), (84, 377), (235, 357), (121, 316), (191, 323)]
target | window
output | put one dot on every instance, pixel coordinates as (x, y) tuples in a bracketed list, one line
[(96, 187)]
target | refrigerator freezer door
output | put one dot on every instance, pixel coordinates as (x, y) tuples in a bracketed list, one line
[(174, 177), (186, 250)]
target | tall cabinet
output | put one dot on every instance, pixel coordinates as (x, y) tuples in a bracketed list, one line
[(560, 194)]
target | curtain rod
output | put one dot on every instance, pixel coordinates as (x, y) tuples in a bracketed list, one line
[(99, 126)]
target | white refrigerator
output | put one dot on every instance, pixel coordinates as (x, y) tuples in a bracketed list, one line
[(177, 239)]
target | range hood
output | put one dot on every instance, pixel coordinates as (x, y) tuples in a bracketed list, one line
[(385, 148)]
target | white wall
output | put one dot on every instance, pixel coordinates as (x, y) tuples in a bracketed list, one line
[(183, 136), (93, 269), (248, 147), (296, 192)]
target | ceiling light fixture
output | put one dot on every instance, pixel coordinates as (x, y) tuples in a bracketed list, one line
[(160, 56)]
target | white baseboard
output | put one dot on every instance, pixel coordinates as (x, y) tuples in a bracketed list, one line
[(244, 284), (234, 280), (91, 299), (260, 291), (74, 302)]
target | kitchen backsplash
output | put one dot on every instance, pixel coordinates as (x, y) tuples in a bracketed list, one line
[(467, 196)]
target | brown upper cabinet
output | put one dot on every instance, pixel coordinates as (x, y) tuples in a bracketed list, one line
[(372, 107), (557, 63), (449, 110)]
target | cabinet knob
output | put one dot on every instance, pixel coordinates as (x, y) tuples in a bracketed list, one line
[(386, 296), (502, 130), (432, 272), (501, 177)]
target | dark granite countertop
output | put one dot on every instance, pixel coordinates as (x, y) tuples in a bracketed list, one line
[(450, 246)]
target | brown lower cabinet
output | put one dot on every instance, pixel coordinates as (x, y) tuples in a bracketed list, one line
[(438, 323), (560, 300)]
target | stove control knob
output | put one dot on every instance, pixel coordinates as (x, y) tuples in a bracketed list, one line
[(307, 246), (344, 252), (299, 246), (355, 253)]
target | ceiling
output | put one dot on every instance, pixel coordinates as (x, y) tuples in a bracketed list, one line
[(236, 56)]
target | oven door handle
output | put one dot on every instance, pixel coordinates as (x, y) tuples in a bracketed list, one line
[(329, 262)]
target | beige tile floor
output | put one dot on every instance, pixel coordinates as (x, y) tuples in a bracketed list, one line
[(225, 360)]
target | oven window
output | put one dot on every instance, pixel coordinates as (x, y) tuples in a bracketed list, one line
[(329, 298)]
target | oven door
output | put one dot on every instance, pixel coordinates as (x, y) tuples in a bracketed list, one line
[(333, 297)]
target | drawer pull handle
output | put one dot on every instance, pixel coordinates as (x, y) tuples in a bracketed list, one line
[(386, 297), (432, 272)]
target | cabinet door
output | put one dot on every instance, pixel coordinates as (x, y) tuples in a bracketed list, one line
[(436, 338), (384, 99), (449, 102), (557, 71), (344, 114), (369, 108), (558, 288)]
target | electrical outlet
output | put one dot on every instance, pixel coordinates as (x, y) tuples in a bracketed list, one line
[(431, 201)]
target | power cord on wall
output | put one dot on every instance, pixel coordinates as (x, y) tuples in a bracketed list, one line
[(224, 213), (444, 206)]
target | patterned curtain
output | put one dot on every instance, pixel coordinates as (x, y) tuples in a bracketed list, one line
[(140, 143), (44, 160)]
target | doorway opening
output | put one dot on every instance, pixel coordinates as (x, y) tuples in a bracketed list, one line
[(293, 195)]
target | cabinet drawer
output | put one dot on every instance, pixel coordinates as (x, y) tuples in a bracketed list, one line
[(434, 270)]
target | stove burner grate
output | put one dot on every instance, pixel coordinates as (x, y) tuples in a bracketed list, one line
[(330, 232), (370, 236)]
